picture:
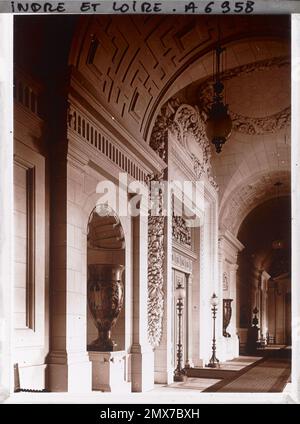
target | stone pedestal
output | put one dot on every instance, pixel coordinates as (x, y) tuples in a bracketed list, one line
[(109, 371)]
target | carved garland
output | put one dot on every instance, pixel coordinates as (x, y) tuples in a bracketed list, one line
[(155, 275), (259, 126)]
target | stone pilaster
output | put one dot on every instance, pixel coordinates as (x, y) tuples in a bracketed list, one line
[(69, 368), (142, 356)]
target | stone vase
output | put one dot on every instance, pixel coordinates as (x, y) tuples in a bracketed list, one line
[(105, 299)]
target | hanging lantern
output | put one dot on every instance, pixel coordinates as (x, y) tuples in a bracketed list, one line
[(219, 123)]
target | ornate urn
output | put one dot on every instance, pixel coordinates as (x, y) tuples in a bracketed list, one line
[(227, 312), (105, 298)]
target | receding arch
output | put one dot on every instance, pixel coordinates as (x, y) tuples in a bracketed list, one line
[(106, 250)]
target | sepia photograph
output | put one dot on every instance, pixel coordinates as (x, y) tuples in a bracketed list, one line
[(151, 255)]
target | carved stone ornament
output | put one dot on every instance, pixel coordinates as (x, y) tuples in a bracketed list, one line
[(181, 233), (163, 123), (155, 276), (244, 124), (259, 126), (187, 126)]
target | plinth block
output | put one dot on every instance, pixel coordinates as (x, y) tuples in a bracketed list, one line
[(109, 371)]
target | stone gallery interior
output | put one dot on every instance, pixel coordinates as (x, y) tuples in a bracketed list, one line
[(152, 204)]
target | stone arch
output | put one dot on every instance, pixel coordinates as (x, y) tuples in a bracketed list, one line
[(248, 194), (106, 254), (132, 82)]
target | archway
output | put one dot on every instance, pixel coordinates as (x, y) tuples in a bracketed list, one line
[(106, 246), (106, 325), (264, 275)]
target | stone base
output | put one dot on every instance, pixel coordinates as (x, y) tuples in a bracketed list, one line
[(69, 373), (108, 371), (142, 368), (163, 377), (230, 348)]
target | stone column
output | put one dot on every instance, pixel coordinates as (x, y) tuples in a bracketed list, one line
[(142, 357), (6, 205)]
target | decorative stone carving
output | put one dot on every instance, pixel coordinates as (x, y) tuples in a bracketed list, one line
[(155, 278), (105, 230), (182, 262), (105, 300), (163, 123), (243, 124), (155, 275), (187, 126), (259, 126), (181, 233)]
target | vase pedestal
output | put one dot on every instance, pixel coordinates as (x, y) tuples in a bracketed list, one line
[(108, 371)]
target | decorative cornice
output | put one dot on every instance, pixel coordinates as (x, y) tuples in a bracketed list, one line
[(79, 95)]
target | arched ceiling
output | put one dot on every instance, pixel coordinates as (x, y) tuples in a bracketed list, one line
[(249, 194), (267, 222), (132, 62)]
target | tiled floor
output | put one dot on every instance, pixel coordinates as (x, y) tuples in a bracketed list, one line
[(193, 384), (249, 374), (268, 376)]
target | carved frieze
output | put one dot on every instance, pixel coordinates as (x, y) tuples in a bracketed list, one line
[(182, 262)]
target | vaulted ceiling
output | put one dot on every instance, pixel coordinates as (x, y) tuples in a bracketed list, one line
[(134, 64)]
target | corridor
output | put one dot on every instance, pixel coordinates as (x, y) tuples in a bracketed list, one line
[(268, 373)]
